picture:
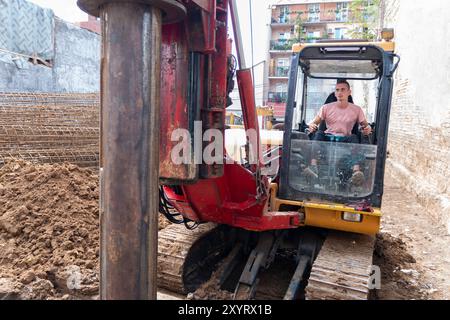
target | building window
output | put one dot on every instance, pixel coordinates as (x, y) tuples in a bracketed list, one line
[(313, 35), (342, 11), (283, 62), (366, 16), (280, 88), (282, 69), (284, 14), (284, 36), (314, 12), (340, 33)]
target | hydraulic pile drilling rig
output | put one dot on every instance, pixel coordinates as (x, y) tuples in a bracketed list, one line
[(167, 65)]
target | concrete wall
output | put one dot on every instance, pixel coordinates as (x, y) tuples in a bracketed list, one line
[(77, 59), (31, 78), (420, 121), (76, 65)]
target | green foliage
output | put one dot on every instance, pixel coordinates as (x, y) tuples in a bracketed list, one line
[(365, 14), (299, 27), (283, 45)]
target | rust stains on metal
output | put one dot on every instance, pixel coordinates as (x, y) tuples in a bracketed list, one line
[(130, 147)]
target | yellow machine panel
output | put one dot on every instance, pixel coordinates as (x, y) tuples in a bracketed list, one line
[(332, 216), (333, 219), (385, 45)]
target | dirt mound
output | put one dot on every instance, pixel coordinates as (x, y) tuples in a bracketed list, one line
[(400, 277), (210, 290), (49, 230)]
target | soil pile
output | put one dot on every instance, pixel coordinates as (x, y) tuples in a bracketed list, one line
[(210, 290), (400, 276), (49, 231)]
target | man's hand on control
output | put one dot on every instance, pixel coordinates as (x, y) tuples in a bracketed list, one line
[(313, 127), (367, 130)]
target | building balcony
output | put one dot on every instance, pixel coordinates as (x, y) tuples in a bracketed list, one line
[(286, 45), (282, 44), (282, 21), (312, 39), (279, 72), (287, 22), (277, 97)]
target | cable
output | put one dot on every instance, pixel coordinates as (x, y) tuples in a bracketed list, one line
[(167, 210), (172, 214)]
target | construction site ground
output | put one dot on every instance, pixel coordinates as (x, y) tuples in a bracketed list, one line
[(412, 249), (49, 239)]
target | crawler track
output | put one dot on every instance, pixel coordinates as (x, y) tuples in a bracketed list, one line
[(186, 258), (342, 268), (341, 271)]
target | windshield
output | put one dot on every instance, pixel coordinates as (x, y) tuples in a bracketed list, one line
[(335, 162), (335, 172)]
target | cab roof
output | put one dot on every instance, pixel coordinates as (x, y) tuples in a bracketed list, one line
[(388, 46)]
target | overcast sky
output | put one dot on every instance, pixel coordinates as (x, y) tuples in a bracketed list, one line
[(261, 19), (65, 9)]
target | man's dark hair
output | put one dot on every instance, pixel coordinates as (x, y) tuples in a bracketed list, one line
[(340, 81), (332, 98)]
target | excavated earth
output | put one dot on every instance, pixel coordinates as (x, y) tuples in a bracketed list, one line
[(49, 231), (49, 239)]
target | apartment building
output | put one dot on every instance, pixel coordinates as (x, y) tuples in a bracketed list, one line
[(293, 22)]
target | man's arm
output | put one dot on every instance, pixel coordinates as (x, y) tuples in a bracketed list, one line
[(314, 125), (366, 128)]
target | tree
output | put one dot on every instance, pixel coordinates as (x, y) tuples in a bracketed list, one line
[(299, 26), (365, 14)]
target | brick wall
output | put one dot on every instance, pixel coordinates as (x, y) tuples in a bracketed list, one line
[(419, 141), (92, 24), (328, 12), (299, 8)]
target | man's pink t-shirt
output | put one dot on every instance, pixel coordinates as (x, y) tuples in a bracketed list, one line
[(340, 121)]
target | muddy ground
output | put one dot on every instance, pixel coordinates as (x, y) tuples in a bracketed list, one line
[(413, 249), (49, 239)]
